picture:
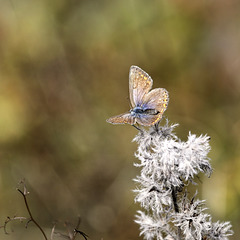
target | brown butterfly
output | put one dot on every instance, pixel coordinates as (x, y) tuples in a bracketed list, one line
[(147, 106)]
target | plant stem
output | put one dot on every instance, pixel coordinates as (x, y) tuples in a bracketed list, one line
[(30, 214)]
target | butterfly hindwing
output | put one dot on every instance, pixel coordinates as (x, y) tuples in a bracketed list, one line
[(156, 102), (157, 98), (149, 120)]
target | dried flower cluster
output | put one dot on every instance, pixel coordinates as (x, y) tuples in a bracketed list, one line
[(168, 165)]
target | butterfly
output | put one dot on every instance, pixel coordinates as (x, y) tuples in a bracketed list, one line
[(147, 105)]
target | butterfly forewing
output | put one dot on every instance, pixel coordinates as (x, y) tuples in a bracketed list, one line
[(122, 119), (140, 83)]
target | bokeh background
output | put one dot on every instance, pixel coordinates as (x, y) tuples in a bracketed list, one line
[(64, 69)]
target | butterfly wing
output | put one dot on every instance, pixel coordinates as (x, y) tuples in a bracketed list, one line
[(148, 120), (122, 119), (140, 83), (156, 101), (157, 98)]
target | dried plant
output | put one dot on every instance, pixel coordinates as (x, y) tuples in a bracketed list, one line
[(168, 166)]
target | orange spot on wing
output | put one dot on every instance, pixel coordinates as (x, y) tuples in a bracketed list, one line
[(159, 117)]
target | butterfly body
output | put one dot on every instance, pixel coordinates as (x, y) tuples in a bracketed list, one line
[(148, 105), (139, 112)]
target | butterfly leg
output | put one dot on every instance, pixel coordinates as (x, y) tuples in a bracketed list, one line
[(139, 129), (157, 125)]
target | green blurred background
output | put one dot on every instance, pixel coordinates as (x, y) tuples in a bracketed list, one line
[(64, 69)]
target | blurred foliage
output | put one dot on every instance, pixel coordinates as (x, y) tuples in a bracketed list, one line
[(64, 70)]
